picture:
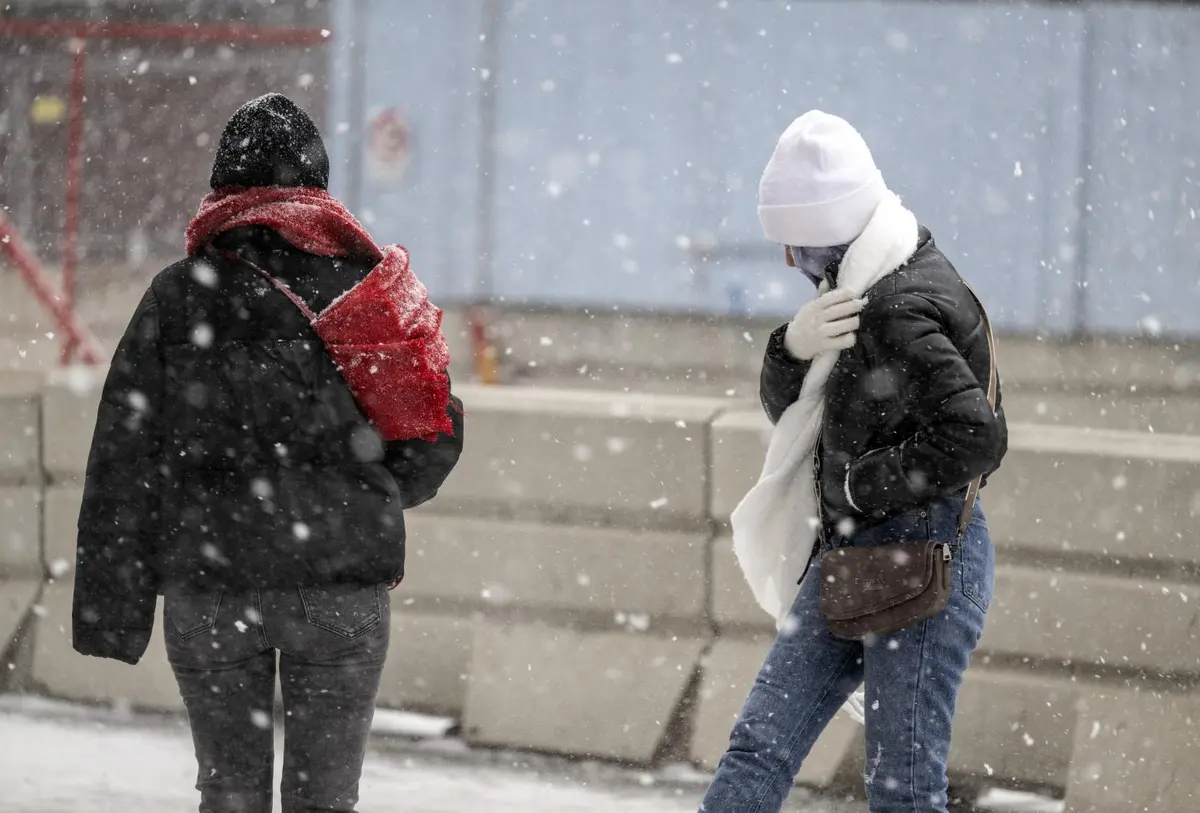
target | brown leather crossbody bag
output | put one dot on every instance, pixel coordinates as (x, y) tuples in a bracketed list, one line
[(882, 589)]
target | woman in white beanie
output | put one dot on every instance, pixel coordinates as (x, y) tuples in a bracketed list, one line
[(886, 404)]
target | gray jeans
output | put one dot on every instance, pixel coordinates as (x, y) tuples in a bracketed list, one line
[(331, 643)]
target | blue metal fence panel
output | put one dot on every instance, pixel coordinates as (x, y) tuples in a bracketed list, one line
[(634, 132), (598, 137), (420, 64), (629, 136), (1143, 237)]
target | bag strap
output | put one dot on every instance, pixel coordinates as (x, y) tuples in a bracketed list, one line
[(993, 388), (286, 291)]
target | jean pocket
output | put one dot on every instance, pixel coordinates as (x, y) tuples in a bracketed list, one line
[(347, 610), (189, 613), (977, 561)]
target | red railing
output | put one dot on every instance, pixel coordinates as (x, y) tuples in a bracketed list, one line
[(77, 335), (62, 306), (192, 32)]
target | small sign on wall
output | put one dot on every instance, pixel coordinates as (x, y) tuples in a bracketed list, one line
[(48, 109), (389, 147)]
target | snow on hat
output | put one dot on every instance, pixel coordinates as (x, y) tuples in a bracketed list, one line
[(270, 141), (821, 186)]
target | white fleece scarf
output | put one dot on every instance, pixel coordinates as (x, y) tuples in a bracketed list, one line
[(775, 525)]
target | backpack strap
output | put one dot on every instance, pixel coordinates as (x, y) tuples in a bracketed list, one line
[(993, 389), (233, 256)]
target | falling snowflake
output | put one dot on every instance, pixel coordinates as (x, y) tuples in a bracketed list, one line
[(261, 488), (202, 335), (616, 445), (204, 274)]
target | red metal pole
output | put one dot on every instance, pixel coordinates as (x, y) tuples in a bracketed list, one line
[(70, 246), (193, 32), (486, 368), (35, 278), (62, 307)]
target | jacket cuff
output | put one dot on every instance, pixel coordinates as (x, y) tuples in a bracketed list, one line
[(778, 353), (126, 645)]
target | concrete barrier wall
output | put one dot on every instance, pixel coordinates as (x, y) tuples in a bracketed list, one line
[(21, 571), (1106, 383), (573, 589)]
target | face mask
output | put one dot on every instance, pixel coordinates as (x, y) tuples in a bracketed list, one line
[(812, 262)]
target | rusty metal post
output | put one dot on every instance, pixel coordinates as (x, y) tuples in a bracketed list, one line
[(37, 281), (70, 246)]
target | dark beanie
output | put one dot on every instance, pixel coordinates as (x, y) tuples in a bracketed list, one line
[(270, 142)]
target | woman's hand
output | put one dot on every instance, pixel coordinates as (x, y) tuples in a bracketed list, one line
[(825, 324)]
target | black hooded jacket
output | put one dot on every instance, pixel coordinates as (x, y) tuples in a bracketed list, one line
[(228, 451), (906, 412)]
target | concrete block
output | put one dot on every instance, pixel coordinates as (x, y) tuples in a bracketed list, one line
[(739, 444), (735, 388), (564, 453), (428, 661), (1143, 623), (570, 340), (20, 419), (61, 529), (69, 403), (62, 672), (1135, 750), (21, 532), (677, 343), (729, 671), (733, 604), (1099, 363), (1013, 727), (1126, 495), (600, 694), (1134, 495), (1173, 413), (16, 597), (555, 567)]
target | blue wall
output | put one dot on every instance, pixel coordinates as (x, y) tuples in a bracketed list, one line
[(629, 136)]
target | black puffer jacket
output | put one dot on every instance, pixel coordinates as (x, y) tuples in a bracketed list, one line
[(228, 452), (906, 412)]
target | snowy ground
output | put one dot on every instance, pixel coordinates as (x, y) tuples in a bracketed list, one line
[(61, 758), (57, 758)]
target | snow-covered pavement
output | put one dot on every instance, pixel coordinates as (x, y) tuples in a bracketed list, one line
[(57, 758), (62, 758)]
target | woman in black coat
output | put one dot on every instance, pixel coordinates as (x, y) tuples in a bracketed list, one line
[(234, 472), (886, 413)]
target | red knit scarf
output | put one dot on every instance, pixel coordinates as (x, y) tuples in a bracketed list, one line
[(384, 333)]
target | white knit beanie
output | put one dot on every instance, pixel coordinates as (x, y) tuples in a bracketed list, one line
[(821, 186)]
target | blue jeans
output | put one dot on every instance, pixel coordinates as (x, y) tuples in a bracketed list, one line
[(912, 680)]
